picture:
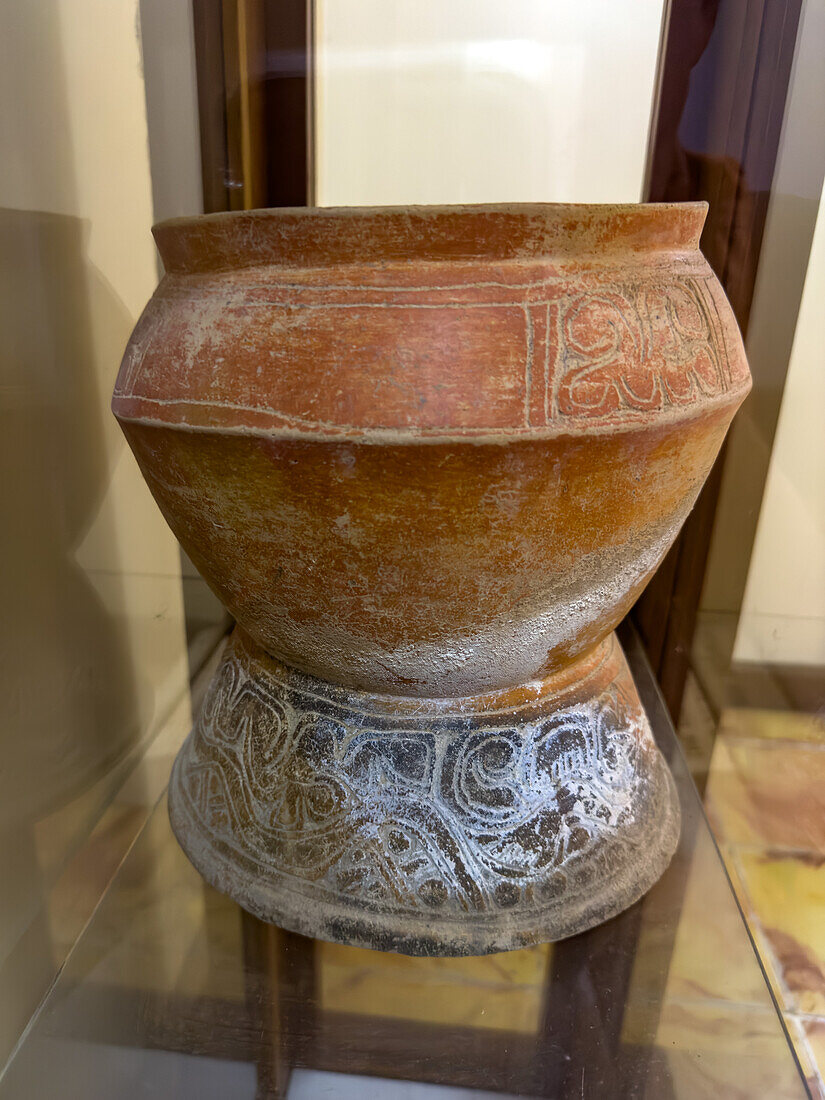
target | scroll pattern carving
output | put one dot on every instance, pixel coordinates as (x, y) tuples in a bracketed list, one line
[(455, 815), (637, 348)]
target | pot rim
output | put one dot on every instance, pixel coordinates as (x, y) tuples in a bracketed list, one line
[(495, 232)]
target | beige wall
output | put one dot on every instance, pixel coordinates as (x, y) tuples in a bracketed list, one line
[(783, 612), (422, 101), (92, 636)]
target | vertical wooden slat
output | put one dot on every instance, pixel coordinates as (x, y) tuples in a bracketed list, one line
[(288, 102), (255, 100), (207, 16), (232, 105), (252, 56)]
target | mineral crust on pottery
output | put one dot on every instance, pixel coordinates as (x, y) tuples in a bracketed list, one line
[(428, 457)]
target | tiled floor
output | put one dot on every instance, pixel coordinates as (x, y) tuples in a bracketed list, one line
[(765, 797)]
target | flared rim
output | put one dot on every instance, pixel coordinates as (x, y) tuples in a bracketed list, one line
[(325, 236)]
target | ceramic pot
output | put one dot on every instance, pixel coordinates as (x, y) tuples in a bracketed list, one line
[(428, 458)]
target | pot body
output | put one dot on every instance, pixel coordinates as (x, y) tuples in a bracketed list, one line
[(428, 458), (434, 451)]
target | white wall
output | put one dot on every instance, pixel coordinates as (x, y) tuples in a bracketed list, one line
[(783, 612), (442, 101)]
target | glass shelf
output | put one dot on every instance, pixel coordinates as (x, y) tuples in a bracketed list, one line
[(173, 991)]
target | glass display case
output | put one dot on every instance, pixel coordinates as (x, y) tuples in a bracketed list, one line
[(121, 972)]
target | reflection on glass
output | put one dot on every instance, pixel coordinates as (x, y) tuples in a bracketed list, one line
[(171, 980), (92, 653)]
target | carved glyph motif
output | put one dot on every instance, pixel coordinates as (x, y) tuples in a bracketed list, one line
[(592, 348), (450, 813), (637, 348)]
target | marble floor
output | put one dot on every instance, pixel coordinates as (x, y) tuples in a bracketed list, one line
[(765, 798)]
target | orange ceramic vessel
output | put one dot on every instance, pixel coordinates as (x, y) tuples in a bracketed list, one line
[(433, 454)]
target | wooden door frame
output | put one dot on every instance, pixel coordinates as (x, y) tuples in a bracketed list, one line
[(757, 70), (255, 98)]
